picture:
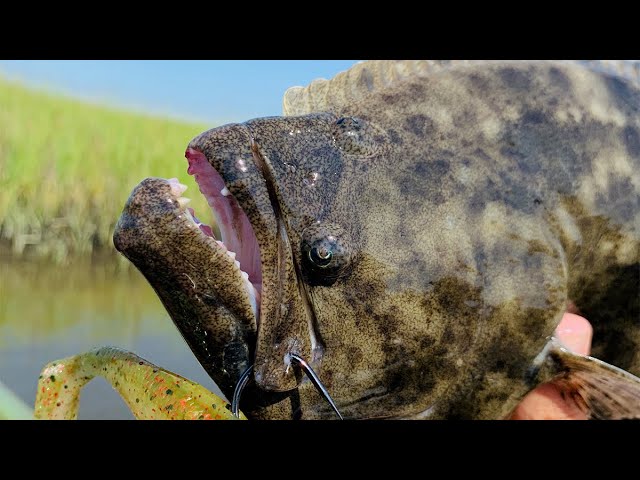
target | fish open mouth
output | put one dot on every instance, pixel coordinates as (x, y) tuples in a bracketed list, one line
[(238, 239)]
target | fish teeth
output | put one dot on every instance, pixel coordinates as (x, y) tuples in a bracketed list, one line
[(176, 187), (225, 192), (244, 275), (189, 215), (231, 254), (183, 201)]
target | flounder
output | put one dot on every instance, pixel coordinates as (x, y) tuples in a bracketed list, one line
[(414, 230)]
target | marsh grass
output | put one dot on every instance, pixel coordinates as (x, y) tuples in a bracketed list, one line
[(67, 168)]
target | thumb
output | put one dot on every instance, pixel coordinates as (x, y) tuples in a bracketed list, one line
[(575, 332)]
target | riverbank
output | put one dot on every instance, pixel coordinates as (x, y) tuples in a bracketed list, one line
[(67, 168)]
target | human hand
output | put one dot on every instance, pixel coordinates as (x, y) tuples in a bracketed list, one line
[(545, 402)]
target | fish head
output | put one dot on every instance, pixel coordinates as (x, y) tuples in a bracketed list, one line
[(331, 289), (267, 207)]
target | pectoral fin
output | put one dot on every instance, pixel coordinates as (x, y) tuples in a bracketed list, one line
[(598, 389)]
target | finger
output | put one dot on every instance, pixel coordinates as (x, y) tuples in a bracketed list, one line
[(545, 402), (575, 332)]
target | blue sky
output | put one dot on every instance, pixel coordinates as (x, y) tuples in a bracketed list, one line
[(219, 91)]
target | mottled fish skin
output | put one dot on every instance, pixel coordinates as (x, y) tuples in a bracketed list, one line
[(473, 202)]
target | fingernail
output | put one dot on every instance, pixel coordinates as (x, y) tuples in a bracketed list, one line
[(575, 332)]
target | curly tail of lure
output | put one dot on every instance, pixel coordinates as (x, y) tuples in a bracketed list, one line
[(150, 392)]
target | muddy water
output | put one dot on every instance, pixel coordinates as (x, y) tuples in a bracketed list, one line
[(48, 312)]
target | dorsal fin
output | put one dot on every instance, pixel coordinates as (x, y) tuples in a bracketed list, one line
[(364, 77), (352, 84)]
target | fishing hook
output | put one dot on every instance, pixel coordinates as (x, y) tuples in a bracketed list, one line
[(316, 382), (244, 379), (235, 401)]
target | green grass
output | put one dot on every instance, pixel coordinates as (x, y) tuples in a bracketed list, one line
[(67, 168)]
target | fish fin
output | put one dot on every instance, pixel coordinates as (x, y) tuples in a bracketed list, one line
[(600, 390), (351, 85)]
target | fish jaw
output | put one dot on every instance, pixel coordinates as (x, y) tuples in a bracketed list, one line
[(200, 283), (228, 158)]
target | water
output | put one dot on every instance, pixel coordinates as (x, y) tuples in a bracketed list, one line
[(48, 312)]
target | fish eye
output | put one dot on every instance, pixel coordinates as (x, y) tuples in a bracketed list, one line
[(320, 255), (326, 252)]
